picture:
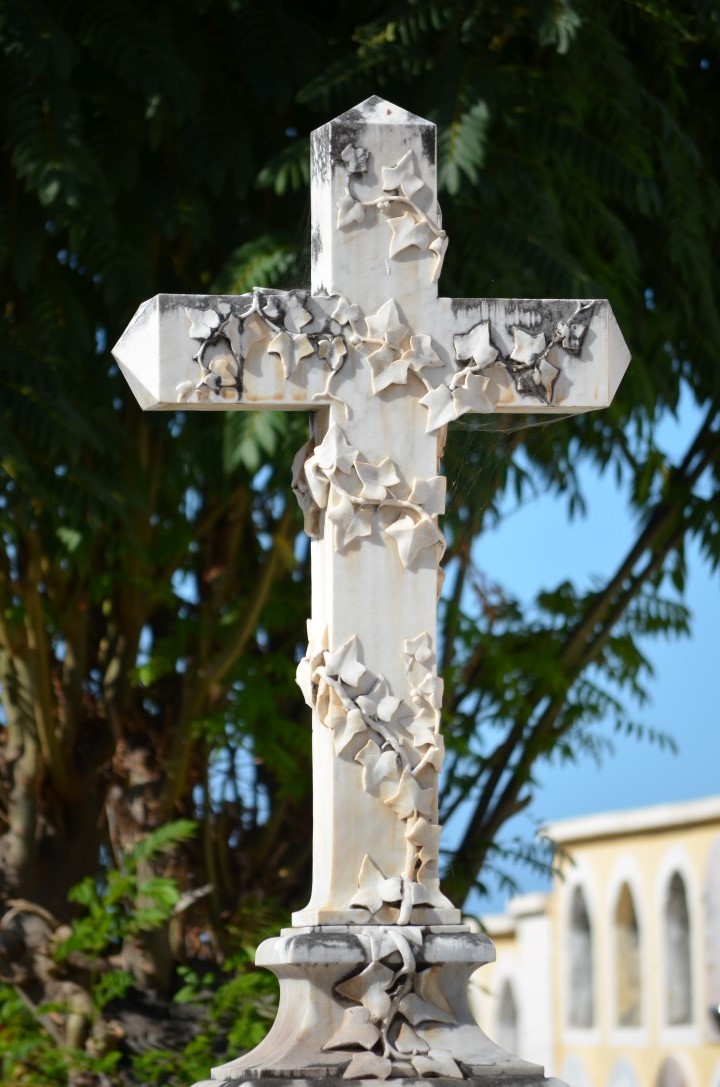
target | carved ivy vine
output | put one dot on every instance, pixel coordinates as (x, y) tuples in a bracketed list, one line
[(334, 477), (390, 1001), (300, 328), (398, 745), (290, 324), (410, 226)]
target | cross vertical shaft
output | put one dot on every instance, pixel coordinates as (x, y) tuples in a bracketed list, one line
[(373, 974)]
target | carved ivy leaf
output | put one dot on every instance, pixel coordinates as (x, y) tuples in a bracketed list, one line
[(337, 705), (332, 351), (408, 233), (421, 354), (476, 345), (434, 755), (344, 731), (291, 348), (376, 478), (386, 325), (476, 393), (572, 333), (427, 986), (417, 1011), (441, 410), (334, 452), (224, 365), (350, 521), (410, 798), (430, 494), (528, 347), (344, 663), (355, 158), (547, 376), (296, 316), (413, 536), (438, 247), (424, 835), (254, 331), (378, 696), (304, 680), (203, 322), (356, 1029), (438, 1062), (350, 211), (403, 176), (369, 988), (185, 390), (408, 1042), (378, 767), (374, 890), (345, 312), (368, 1066), (387, 368), (317, 482), (424, 731), (419, 648)]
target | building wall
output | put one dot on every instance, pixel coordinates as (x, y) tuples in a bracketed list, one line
[(626, 942)]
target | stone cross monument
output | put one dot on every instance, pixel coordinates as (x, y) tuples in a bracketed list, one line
[(374, 971)]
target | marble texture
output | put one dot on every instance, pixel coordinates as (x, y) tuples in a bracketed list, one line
[(383, 364)]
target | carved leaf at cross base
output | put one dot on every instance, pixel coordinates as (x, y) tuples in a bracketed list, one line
[(399, 997), (368, 1066), (369, 988), (437, 1062), (374, 890), (417, 1010), (356, 1029)]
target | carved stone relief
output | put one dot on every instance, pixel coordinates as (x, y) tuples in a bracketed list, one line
[(410, 226), (397, 745), (390, 1001), (302, 329), (355, 493)]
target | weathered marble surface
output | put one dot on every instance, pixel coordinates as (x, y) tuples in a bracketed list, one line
[(384, 365)]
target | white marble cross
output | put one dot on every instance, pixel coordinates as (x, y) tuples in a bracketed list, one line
[(383, 364)]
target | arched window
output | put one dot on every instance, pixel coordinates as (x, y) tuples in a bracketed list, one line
[(670, 1074), (712, 942), (581, 1004), (506, 1033), (678, 970), (627, 961), (623, 1074)]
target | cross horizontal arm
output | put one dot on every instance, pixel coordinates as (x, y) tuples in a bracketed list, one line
[(521, 355), (265, 349)]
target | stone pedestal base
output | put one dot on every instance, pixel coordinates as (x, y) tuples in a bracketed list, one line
[(373, 1002)]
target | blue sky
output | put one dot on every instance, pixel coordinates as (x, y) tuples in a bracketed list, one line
[(684, 698)]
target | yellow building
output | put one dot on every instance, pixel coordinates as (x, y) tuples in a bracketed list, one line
[(612, 979)]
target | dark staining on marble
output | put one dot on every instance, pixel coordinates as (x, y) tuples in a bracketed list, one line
[(316, 245), (429, 143), (320, 157), (346, 129)]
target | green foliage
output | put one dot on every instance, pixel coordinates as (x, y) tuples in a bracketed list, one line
[(153, 577), (120, 903), (31, 1057)]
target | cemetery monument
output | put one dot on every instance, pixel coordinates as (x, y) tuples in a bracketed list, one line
[(374, 971)]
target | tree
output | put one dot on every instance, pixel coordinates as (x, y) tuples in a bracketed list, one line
[(153, 574)]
